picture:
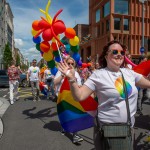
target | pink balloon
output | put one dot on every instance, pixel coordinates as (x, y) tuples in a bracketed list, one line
[(130, 62)]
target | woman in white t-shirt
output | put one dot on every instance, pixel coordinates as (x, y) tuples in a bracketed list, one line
[(107, 83), (49, 80), (58, 80)]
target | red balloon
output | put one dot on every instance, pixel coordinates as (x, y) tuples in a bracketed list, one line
[(84, 65), (54, 46), (70, 33), (44, 46), (43, 24), (59, 27), (35, 25), (47, 35)]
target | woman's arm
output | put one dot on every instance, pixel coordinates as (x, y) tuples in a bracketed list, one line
[(80, 93), (143, 83), (58, 80)]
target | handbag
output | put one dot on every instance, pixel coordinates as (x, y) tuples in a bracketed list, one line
[(117, 136)]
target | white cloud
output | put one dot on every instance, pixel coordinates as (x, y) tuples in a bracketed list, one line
[(18, 43)]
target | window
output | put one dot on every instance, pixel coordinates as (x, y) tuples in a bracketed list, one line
[(126, 24), (106, 9), (107, 25), (98, 15), (121, 7), (117, 23)]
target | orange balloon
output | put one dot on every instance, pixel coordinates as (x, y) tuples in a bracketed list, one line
[(44, 46), (35, 25), (70, 33)]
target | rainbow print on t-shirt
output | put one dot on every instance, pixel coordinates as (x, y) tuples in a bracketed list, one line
[(34, 71), (119, 87)]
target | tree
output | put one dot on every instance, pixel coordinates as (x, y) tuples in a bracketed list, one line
[(17, 60), (7, 58)]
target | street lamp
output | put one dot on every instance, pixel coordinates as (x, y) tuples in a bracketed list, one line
[(143, 9)]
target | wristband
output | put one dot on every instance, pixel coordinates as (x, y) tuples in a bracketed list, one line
[(68, 71)]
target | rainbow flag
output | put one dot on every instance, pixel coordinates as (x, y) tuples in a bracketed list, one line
[(75, 116), (43, 88)]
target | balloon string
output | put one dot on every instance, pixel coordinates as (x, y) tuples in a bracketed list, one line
[(59, 51)]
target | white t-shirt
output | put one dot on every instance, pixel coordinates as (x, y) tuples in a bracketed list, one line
[(58, 86), (48, 74), (33, 72), (109, 90)]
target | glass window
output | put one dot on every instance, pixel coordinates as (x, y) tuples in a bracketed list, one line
[(107, 25), (121, 7), (117, 23), (106, 9), (98, 15), (126, 24)]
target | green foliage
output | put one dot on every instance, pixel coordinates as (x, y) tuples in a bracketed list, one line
[(17, 60), (7, 57)]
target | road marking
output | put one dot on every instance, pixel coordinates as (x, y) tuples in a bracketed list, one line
[(4, 95)]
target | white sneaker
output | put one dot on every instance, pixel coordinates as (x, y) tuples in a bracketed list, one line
[(11, 102), (77, 138)]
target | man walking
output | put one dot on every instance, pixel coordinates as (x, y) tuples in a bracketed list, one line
[(34, 75)]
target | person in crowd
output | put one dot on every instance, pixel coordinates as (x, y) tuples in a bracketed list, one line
[(142, 92), (49, 80), (33, 75), (14, 76), (58, 80), (129, 56), (107, 83)]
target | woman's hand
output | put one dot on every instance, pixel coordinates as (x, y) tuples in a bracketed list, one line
[(67, 70)]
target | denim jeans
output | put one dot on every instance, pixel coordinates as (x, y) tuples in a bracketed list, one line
[(35, 89)]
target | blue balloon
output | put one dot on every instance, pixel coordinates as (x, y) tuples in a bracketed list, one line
[(37, 40), (76, 56), (58, 59), (54, 71)]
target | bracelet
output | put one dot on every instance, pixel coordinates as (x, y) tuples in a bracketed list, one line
[(72, 80)]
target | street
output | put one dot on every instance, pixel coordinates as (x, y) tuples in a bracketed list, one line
[(32, 125)]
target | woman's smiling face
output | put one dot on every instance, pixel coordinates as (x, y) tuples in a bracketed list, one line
[(115, 55)]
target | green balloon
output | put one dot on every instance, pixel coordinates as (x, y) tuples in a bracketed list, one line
[(55, 53), (38, 47), (51, 64), (75, 48)]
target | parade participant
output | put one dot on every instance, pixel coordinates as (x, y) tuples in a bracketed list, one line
[(142, 92), (115, 87), (49, 80), (14, 76), (58, 80), (33, 76)]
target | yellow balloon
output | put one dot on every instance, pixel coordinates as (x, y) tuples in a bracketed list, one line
[(33, 32), (48, 56), (74, 41), (53, 39)]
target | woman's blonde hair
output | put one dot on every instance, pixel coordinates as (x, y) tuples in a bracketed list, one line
[(70, 58)]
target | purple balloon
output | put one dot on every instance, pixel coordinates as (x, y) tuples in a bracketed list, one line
[(79, 63)]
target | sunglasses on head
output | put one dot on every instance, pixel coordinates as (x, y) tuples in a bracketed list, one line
[(71, 64), (116, 52)]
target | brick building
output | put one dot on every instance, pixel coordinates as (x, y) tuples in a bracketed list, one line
[(116, 20)]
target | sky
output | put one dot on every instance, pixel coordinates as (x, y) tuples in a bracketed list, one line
[(25, 12)]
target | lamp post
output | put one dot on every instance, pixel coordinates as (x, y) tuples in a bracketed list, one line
[(142, 43)]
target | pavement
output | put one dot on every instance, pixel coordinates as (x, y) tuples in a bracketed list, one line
[(4, 104)]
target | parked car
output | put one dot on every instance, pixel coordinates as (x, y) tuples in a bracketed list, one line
[(4, 79)]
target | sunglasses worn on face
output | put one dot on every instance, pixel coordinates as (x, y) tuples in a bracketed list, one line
[(71, 64), (116, 52)]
